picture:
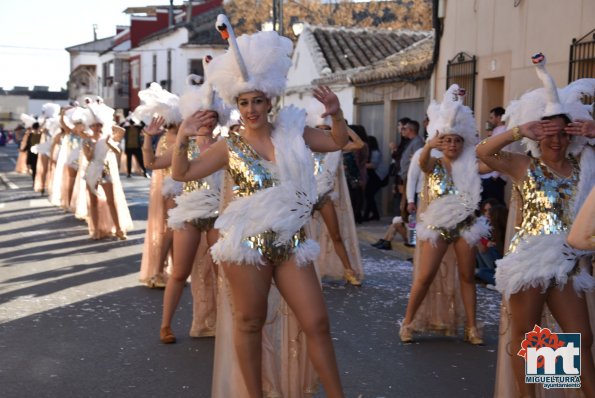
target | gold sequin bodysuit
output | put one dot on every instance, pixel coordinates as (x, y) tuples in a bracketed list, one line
[(202, 224), (547, 201), (439, 184), (251, 174)]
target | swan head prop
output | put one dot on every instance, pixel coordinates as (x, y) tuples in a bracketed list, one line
[(156, 100), (549, 101), (255, 62), (202, 97), (452, 117)]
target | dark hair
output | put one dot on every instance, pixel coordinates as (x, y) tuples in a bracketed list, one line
[(498, 111), (491, 201), (414, 124), (558, 116), (372, 143), (498, 219), (404, 120), (360, 131), (35, 125)]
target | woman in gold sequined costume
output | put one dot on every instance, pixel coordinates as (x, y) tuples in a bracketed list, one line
[(551, 185), (268, 195), (157, 247), (451, 194), (108, 213)]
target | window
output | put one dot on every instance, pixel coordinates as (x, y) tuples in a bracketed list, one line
[(135, 74), (108, 73), (195, 67), (582, 60), (154, 68), (462, 70)]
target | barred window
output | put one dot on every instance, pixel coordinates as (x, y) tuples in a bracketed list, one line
[(582, 61), (462, 69)]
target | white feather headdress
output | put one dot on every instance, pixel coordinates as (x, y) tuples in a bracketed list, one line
[(28, 120), (452, 117), (256, 62), (50, 110), (156, 100), (550, 101), (203, 97)]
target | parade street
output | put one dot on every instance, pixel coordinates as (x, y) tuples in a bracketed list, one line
[(75, 322)]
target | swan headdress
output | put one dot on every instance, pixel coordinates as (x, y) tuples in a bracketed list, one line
[(203, 97), (156, 100), (452, 117), (549, 101), (256, 62)]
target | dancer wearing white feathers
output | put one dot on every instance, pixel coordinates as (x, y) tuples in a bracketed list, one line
[(159, 108), (552, 184), (49, 127), (192, 220), (333, 224), (108, 212), (268, 195), (452, 194)]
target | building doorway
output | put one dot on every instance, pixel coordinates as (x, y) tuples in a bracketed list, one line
[(492, 96)]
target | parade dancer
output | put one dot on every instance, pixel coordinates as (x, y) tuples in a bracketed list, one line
[(159, 108), (339, 247), (452, 191), (552, 183), (192, 219), (268, 195), (108, 212)]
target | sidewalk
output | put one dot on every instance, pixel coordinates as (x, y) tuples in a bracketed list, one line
[(370, 231)]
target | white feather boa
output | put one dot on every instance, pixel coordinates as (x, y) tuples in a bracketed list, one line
[(325, 180), (95, 167), (539, 259), (283, 209), (448, 211), (171, 187), (194, 205)]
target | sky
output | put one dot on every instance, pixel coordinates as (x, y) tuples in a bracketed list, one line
[(35, 33)]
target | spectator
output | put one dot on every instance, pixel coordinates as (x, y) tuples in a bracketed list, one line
[(411, 132), (491, 248), (377, 171), (396, 153), (492, 183), (133, 146), (355, 172)]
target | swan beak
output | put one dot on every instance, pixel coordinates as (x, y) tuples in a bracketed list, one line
[(223, 31)]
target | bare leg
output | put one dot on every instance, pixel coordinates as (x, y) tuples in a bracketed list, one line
[(301, 290), (94, 214), (332, 225), (45, 161), (71, 181), (572, 315), (108, 188), (429, 263), (250, 287), (466, 263), (168, 235), (186, 243), (525, 309)]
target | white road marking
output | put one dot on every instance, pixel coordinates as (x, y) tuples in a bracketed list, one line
[(10, 184)]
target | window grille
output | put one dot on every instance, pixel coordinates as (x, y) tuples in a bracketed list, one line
[(462, 70)]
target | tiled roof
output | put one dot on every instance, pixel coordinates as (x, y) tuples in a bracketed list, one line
[(97, 46), (343, 49), (411, 63)]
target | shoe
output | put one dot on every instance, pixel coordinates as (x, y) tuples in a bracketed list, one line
[(128, 176), (386, 245), (121, 235), (378, 243), (406, 333), (166, 335), (157, 281), (146, 175), (472, 336), (350, 278), (491, 286), (408, 244)]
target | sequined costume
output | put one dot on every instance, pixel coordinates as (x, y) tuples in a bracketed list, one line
[(198, 204), (537, 256), (251, 174)]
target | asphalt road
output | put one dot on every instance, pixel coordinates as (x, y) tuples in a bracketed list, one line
[(74, 322)]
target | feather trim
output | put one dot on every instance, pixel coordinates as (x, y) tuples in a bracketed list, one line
[(200, 204), (94, 170), (284, 208), (307, 252), (586, 178), (537, 261), (325, 180), (171, 187)]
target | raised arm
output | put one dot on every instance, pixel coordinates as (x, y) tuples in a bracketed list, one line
[(490, 151), (214, 158), (338, 137), (355, 144), (162, 160), (426, 161)]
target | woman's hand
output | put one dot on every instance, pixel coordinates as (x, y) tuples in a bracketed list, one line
[(411, 207), (538, 130), (155, 126), (329, 99), (437, 142), (196, 123), (585, 128)]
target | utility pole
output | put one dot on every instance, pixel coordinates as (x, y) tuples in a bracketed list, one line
[(94, 32)]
